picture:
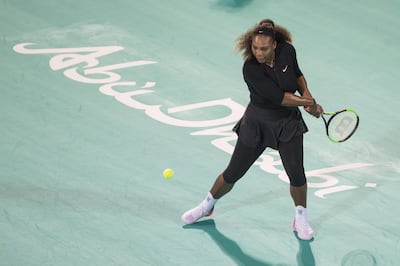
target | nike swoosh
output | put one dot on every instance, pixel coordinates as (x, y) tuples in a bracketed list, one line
[(284, 70)]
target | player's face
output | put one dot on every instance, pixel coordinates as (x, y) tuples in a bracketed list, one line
[(263, 48)]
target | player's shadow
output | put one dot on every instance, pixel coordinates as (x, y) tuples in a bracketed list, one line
[(228, 246), (305, 256), (233, 250)]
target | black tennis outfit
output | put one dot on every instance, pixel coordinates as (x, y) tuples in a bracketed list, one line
[(265, 122)]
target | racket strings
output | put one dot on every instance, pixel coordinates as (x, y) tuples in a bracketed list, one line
[(342, 125)]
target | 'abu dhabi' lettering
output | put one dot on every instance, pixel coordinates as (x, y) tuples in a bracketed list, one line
[(154, 111), (68, 57), (81, 64)]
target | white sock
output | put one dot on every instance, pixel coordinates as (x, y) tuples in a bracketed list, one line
[(209, 202), (301, 212)]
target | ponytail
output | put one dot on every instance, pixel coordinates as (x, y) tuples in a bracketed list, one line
[(281, 33)]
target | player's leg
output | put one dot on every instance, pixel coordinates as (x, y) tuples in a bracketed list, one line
[(242, 159), (292, 159), (220, 187)]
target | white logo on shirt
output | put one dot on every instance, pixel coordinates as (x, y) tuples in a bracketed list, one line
[(284, 70)]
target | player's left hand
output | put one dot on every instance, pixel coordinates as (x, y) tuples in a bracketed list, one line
[(315, 110)]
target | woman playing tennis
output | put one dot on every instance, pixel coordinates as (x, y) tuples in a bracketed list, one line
[(271, 120)]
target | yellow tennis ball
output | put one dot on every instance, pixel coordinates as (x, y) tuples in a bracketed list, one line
[(168, 173)]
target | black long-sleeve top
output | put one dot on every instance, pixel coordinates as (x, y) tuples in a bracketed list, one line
[(267, 85)]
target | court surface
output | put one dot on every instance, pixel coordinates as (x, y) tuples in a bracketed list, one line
[(99, 97)]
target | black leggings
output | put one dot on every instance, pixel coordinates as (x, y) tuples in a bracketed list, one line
[(291, 154)]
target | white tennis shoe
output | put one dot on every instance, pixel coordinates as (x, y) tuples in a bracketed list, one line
[(198, 212), (303, 229)]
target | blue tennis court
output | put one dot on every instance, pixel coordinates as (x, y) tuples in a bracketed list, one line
[(98, 98)]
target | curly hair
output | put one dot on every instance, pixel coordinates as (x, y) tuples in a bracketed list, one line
[(264, 27)]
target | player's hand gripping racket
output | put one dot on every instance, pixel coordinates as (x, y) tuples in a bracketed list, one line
[(341, 125)]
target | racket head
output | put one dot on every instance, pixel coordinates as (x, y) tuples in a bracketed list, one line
[(341, 125)]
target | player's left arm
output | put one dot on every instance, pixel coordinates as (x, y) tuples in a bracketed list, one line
[(302, 85), (316, 109)]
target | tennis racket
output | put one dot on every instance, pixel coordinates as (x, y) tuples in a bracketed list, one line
[(341, 125)]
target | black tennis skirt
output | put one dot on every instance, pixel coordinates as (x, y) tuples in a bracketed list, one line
[(261, 127)]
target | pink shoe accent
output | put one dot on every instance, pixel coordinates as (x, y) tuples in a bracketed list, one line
[(304, 231), (193, 215)]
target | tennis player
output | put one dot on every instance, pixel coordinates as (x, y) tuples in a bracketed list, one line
[(272, 119)]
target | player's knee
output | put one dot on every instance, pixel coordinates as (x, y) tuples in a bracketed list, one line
[(230, 178)]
